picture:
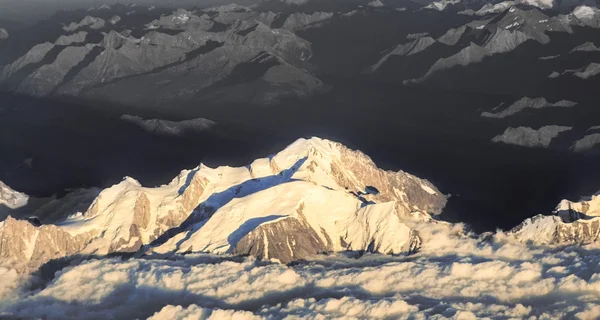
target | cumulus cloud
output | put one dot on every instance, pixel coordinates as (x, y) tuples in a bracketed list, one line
[(456, 275)]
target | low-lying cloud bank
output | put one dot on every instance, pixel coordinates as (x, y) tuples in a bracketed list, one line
[(455, 276)]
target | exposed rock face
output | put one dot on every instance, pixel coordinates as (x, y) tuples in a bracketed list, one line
[(528, 137), (572, 222), (586, 47), (26, 247), (527, 103), (286, 239), (315, 196)]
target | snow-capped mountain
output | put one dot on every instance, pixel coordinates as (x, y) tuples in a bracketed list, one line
[(316, 196), (10, 198), (571, 223)]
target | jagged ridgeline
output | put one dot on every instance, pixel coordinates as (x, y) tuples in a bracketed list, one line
[(314, 197), (276, 52)]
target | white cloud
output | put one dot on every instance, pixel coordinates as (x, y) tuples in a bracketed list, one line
[(194, 312), (455, 276)]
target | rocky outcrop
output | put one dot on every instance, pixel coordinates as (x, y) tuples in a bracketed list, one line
[(526, 103), (528, 137), (285, 239), (26, 247)]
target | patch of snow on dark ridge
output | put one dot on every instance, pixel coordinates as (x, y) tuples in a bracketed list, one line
[(171, 128), (528, 137), (527, 103)]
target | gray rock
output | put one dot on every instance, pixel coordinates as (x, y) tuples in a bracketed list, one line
[(286, 239)]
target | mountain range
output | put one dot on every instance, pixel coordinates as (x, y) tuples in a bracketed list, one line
[(315, 196), (275, 53), (477, 118)]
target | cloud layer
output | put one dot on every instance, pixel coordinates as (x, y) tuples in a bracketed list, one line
[(455, 276)]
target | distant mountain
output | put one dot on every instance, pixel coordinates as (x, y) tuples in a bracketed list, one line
[(146, 56), (571, 223), (150, 57)]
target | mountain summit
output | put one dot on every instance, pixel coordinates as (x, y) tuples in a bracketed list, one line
[(316, 196)]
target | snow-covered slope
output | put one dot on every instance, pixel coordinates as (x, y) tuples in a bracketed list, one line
[(10, 198), (315, 196), (572, 222)]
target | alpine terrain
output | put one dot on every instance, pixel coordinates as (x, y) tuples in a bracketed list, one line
[(299, 159)]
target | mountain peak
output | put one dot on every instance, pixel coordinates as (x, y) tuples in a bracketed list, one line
[(11, 198), (315, 189)]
